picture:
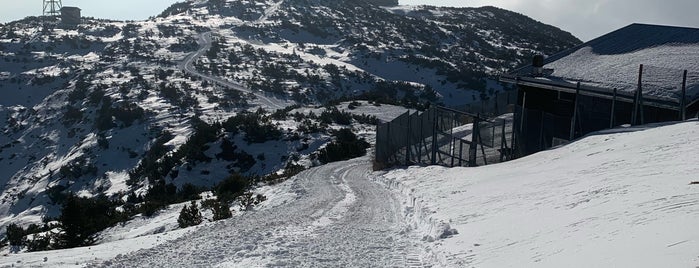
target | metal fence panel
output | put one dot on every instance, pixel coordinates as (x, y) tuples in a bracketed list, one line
[(441, 136)]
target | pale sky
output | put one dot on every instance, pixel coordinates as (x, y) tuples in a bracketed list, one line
[(586, 19)]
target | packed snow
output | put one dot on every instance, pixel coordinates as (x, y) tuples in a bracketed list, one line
[(340, 214), (622, 198)]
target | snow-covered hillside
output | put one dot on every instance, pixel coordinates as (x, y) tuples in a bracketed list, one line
[(130, 109), (627, 198)]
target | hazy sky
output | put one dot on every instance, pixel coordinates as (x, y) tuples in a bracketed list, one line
[(586, 19), (118, 9)]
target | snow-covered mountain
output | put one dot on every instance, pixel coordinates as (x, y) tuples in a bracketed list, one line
[(131, 109)]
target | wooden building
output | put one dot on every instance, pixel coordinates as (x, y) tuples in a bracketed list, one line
[(638, 74)]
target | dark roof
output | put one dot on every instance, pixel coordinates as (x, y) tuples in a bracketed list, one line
[(613, 60)]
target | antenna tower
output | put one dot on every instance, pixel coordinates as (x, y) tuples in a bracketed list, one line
[(52, 8)]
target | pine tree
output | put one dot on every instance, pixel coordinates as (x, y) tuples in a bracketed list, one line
[(189, 216), (82, 218), (15, 234), (248, 200), (221, 211)]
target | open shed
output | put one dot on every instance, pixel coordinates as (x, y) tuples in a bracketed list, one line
[(635, 75)]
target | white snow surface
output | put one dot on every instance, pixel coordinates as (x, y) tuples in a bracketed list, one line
[(609, 200), (622, 198), (662, 76), (331, 216)]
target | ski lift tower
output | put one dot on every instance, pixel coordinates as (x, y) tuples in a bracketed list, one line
[(52, 8)]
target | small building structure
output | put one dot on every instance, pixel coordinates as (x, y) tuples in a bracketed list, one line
[(70, 16), (638, 74)]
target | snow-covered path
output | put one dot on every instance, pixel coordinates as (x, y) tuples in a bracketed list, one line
[(338, 217), (187, 65)]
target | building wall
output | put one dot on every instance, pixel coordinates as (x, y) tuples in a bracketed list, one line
[(70, 15)]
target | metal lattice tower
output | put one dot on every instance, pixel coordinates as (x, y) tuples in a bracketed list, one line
[(52, 8)]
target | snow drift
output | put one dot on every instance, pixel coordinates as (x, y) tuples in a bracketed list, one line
[(621, 199)]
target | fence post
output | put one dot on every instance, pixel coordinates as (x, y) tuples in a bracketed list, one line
[(422, 138), (389, 144), (473, 147), (683, 109), (497, 108), (638, 96), (407, 140), (613, 113), (575, 112), (513, 137), (452, 142), (461, 153), (485, 157), (640, 102), (521, 121), (503, 141), (434, 136), (542, 141), (378, 145)]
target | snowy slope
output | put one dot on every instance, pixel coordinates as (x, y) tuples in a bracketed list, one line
[(608, 200), (624, 198), (330, 216), (113, 108)]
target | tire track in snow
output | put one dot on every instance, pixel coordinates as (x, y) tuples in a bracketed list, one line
[(339, 218)]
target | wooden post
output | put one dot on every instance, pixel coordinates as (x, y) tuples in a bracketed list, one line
[(639, 97), (407, 140), (575, 112), (421, 141), (473, 148), (513, 136), (434, 136), (683, 109), (542, 142), (613, 112), (388, 143), (485, 157), (422, 138), (452, 146), (503, 141), (521, 121), (518, 137), (640, 103), (497, 108), (461, 153)]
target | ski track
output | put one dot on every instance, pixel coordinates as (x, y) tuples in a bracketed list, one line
[(340, 218)]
